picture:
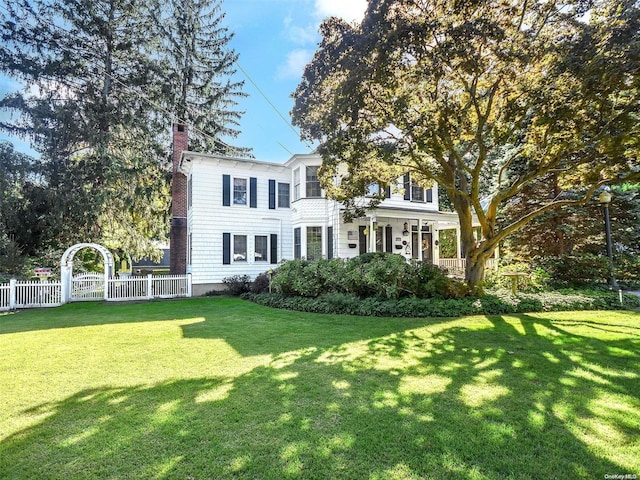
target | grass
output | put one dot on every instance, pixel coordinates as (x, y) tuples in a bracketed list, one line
[(222, 388)]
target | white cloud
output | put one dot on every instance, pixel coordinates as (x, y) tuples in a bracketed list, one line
[(294, 64), (349, 10), (300, 35)]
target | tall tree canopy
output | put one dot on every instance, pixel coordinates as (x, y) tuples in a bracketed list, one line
[(198, 69), (483, 97), (99, 99)]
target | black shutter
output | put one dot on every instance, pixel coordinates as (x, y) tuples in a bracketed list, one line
[(429, 195), (407, 187), (272, 194), (387, 192), (274, 248), (226, 190), (253, 192), (388, 239), (329, 243), (226, 248)]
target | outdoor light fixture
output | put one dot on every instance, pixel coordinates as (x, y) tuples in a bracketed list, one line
[(366, 231), (605, 200), (405, 230)]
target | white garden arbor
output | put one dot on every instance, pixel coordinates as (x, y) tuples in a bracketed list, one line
[(66, 268)]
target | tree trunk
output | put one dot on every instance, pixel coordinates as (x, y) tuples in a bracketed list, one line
[(474, 271)]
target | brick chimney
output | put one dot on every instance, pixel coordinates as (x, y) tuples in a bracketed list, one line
[(178, 237)]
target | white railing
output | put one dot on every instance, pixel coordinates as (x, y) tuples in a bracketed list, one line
[(456, 266), (34, 294), (30, 294)]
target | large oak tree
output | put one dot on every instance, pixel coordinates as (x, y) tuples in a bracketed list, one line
[(482, 97)]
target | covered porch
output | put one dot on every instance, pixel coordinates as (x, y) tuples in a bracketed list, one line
[(426, 236)]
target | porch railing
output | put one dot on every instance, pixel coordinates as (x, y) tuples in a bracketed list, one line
[(456, 266)]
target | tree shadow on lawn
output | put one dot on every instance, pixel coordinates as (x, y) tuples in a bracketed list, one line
[(512, 400)]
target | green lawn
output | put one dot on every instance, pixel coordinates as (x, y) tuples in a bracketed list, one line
[(213, 388)]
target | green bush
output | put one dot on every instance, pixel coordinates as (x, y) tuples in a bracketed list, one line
[(497, 303), (261, 283), (628, 269), (381, 275), (533, 280), (237, 284), (578, 269)]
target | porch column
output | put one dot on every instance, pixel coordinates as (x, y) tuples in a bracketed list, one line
[(435, 242), (372, 235), (420, 251)]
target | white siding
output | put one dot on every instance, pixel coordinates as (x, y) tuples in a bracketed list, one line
[(209, 219)]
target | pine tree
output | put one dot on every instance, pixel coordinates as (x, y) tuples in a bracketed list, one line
[(198, 70)]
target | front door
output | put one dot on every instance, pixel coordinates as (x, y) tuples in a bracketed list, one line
[(427, 251), (362, 239)]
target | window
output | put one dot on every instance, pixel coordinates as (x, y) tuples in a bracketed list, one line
[(260, 253), (313, 183), (417, 193), (373, 190), (314, 243), (283, 195), (296, 184), (240, 191), (297, 243), (239, 248), (190, 192)]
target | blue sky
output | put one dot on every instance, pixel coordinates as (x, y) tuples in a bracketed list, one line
[(275, 40)]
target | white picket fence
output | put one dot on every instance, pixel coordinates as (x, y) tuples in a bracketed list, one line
[(37, 294)]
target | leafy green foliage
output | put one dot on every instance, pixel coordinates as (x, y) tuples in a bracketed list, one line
[(374, 274), (484, 98), (497, 303), (237, 284), (576, 269)]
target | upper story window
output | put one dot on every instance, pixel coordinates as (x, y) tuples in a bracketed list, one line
[(415, 192), (313, 183), (283, 195), (240, 191), (373, 190), (296, 184)]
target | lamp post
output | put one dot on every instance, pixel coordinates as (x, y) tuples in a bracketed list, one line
[(605, 200)]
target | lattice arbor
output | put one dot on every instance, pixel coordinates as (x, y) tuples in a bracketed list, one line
[(86, 286)]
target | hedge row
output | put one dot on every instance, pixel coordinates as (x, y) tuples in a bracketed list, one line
[(498, 303)]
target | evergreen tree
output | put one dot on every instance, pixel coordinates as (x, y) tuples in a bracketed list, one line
[(198, 68)]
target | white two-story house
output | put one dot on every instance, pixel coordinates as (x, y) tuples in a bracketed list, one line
[(245, 216)]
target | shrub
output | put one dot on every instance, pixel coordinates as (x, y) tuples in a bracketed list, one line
[(376, 274), (580, 269), (490, 304), (237, 284), (534, 280), (261, 283), (425, 280)]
